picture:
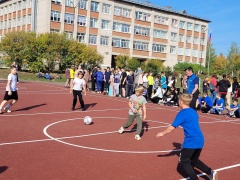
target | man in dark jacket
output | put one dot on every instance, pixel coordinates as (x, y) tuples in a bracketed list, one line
[(223, 86), (93, 79)]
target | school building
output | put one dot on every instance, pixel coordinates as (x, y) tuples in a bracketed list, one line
[(140, 29)]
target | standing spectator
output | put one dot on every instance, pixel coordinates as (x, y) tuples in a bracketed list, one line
[(86, 78), (229, 91), (116, 80), (79, 69), (72, 74), (193, 85), (93, 79), (67, 74), (136, 76), (223, 86), (213, 88), (174, 81), (184, 84), (205, 85), (123, 82), (163, 82), (140, 79), (235, 87), (156, 84), (99, 78), (145, 80), (150, 84), (130, 82), (107, 75)]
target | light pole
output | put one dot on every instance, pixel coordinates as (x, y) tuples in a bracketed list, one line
[(74, 8), (203, 37)]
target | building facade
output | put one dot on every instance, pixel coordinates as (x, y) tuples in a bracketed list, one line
[(113, 27)]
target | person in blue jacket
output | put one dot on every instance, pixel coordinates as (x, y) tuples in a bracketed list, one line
[(163, 81), (99, 79), (207, 104)]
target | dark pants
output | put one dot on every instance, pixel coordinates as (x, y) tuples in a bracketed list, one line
[(150, 87), (206, 109), (79, 94), (155, 100), (106, 85), (93, 84), (189, 158), (223, 96), (194, 100), (129, 90), (99, 85)]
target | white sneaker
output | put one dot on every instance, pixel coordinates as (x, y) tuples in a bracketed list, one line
[(121, 130), (213, 175), (7, 110), (137, 137)]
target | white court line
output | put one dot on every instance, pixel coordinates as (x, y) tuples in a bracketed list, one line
[(220, 169)]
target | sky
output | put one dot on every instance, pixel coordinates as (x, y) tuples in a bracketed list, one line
[(224, 16)]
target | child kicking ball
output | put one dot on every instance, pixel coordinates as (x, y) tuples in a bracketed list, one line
[(137, 104)]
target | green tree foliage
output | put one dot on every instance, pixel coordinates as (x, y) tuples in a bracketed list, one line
[(153, 65), (121, 60), (133, 64), (233, 64), (220, 65), (210, 57), (233, 51), (181, 66)]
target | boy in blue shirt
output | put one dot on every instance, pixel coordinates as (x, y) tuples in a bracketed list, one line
[(193, 143), (234, 109), (219, 105), (207, 105)]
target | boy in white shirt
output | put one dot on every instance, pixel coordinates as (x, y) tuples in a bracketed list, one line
[(11, 91)]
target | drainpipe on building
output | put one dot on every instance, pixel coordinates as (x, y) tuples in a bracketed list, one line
[(35, 15)]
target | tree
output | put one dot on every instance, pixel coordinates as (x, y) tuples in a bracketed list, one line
[(210, 57), (232, 58), (220, 65), (153, 65), (181, 66), (121, 60), (233, 51), (234, 65), (133, 64)]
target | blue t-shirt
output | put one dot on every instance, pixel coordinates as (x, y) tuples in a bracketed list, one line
[(200, 101), (188, 119), (237, 106), (107, 75), (219, 102), (208, 101), (164, 80), (191, 82)]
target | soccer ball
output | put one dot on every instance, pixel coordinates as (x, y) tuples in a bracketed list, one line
[(87, 120)]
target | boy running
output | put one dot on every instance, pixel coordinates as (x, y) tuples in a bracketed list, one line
[(137, 103), (11, 91), (193, 143)]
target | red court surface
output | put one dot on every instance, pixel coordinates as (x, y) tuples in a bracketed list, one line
[(43, 139)]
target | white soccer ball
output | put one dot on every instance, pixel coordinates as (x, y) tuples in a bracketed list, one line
[(87, 120)]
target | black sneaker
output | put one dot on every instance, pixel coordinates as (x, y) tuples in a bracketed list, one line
[(83, 109), (213, 175), (73, 108)]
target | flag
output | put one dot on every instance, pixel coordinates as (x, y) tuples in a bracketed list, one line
[(210, 37)]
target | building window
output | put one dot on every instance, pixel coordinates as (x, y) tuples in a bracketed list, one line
[(19, 21), (142, 16), (14, 22), (92, 39), (30, 3), (68, 34), (104, 40), (203, 28), (181, 38), (55, 16), (173, 49), (188, 39), (24, 5), (196, 27), (54, 31), (19, 5), (161, 20), (94, 6), (201, 41), (24, 20), (81, 37), (93, 23), (9, 23), (121, 27), (182, 25), (105, 24), (180, 51), (81, 20), (194, 53), (159, 48), (118, 11), (174, 23), (122, 43), (10, 8), (106, 8), (160, 34), (189, 26), (14, 6), (1, 25), (188, 52), (68, 18), (201, 54), (69, 3), (30, 19), (56, 1), (140, 45), (5, 24), (195, 40), (82, 4), (141, 31), (173, 36)]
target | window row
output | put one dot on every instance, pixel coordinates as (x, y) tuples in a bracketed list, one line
[(189, 26), (11, 23), (21, 4), (190, 52)]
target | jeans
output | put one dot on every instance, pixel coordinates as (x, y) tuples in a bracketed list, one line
[(213, 96), (129, 90)]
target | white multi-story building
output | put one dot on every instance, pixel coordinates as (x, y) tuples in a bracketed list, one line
[(113, 27)]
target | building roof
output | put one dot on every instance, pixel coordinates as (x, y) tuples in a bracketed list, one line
[(165, 9)]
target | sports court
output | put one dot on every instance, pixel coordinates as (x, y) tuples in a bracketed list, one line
[(44, 139)]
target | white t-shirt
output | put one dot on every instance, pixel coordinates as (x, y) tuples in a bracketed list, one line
[(13, 83), (78, 84)]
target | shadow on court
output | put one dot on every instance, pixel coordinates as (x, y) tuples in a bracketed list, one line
[(3, 168), (31, 107), (90, 105), (134, 128), (174, 152)]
